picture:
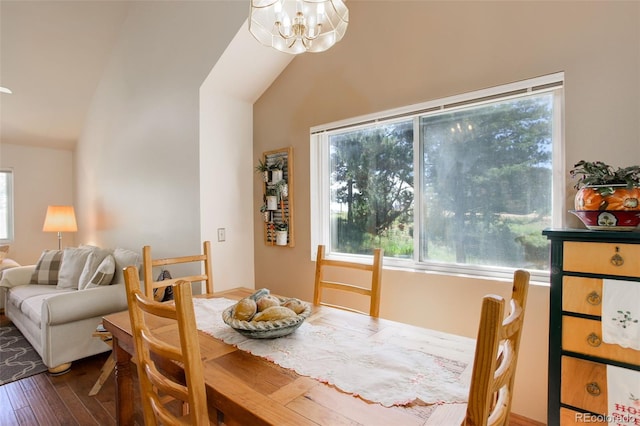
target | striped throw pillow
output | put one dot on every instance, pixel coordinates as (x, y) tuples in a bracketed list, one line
[(47, 268), (104, 273)]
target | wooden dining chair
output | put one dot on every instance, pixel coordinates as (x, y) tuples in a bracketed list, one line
[(496, 356), (373, 291), (155, 384), (150, 284)]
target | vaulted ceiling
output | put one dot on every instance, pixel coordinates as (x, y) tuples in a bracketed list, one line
[(52, 55)]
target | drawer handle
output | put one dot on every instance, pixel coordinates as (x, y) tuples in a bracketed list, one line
[(594, 340), (594, 298), (593, 389), (616, 259)]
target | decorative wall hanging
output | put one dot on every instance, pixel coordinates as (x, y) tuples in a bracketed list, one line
[(276, 174)]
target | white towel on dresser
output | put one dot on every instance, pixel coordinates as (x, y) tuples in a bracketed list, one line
[(623, 394), (621, 313)]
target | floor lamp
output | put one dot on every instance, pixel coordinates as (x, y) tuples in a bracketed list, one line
[(60, 219)]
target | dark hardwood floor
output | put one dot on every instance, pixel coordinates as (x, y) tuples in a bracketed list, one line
[(44, 400), (60, 400)]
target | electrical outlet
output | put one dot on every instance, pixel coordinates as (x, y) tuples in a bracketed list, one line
[(222, 234)]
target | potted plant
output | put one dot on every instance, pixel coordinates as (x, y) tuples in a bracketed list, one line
[(264, 169), (282, 189), (608, 199), (266, 214), (272, 198), (601, 187), (276, 171), (282, 230)]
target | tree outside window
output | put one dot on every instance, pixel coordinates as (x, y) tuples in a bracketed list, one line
[(462, 186), (372, 190), (487, 184)]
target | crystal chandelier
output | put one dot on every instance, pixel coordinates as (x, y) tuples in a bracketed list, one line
[(297, 26)]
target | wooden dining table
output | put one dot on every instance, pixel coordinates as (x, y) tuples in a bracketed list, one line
[(245, 389)]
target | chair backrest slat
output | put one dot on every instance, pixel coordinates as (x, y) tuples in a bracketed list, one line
[(150, 284), (155, 382), (373, 291), (496, 356)]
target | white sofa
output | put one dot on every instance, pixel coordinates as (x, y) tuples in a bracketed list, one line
[(59, 320)]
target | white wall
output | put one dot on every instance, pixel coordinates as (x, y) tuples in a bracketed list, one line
[(226, 153), (41, 177), (225, 182), (138, 177)]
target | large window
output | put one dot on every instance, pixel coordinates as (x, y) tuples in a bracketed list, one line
[(6, 206), (462, 184)]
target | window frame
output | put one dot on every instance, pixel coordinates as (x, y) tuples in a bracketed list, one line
[(10, 202), (320, 173)]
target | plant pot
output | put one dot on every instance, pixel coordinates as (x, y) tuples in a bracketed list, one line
[(607, 197), (609, 220), (272, 202), (276, 176), (281, 238), (265, 176)]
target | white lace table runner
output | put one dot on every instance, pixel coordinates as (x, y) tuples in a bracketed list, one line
[(380, 369)]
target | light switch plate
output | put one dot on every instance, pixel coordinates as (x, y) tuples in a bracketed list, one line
[(222, 234)]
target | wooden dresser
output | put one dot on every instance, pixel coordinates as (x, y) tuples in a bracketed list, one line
[(578, 359)]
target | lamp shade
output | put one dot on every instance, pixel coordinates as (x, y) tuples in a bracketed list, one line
[(60, 219)]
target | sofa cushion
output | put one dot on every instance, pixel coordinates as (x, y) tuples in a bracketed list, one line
[(124, 258), (20, 293), (32, 306), (73, 261), (104, 273), (47, 268), (93, 261)]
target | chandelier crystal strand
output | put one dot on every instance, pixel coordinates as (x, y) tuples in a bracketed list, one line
[(297, 26)]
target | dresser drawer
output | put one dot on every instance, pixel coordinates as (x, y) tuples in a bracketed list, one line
[(584, 384), (582, 295), (602, 258), (574, 418), (585, 336)]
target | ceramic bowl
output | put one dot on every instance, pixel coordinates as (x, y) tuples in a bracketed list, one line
[(609, 220), (265, 329)]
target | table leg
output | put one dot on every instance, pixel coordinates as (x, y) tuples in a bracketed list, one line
[(124, 385)]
